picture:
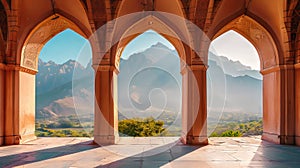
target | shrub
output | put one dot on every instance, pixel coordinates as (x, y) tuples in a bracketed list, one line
[(137, 127), (231, 133)]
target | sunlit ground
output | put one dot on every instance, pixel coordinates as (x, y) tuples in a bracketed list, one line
[(138, 152)]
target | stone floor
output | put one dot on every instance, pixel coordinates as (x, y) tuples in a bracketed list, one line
[(149, 152)]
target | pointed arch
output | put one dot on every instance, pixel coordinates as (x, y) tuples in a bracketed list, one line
[(258, 36), (150, 23), (245, 46), (40, 35)]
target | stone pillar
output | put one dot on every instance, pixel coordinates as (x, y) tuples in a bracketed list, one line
[(278, 105), (19, 105), (297, 103), (194, 106), (106, 105)]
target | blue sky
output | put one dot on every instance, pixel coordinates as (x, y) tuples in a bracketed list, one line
[(70, 45), (65, 46)]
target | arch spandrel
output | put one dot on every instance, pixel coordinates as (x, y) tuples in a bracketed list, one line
[(40, 36), (258, 36)]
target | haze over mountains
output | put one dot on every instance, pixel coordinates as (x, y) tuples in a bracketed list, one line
[(149, 83)]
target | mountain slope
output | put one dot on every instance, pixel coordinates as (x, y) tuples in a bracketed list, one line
[(234, 68)]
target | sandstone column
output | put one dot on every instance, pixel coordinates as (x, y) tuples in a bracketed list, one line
[(2, 99), (19, 105), (194, 110), (278, 104), (106, 111), (297, 102)]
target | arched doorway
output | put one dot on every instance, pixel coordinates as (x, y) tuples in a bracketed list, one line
[(278, 116), (20, 123), (234, 87), (193, 76), (150, 83), (64, 68)]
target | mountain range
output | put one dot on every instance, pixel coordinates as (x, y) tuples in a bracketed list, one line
[(149, 84)]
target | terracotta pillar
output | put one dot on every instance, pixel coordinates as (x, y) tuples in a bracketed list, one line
[(19, 105), (278, 105), (2, 99), (194, 110), (297, 102), (106, 105), (11, 116)]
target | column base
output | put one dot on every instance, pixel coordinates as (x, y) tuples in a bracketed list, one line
[(297, 140), (274, 138), (104, 140), (18, 139), (26, 138), (12, 140), (196, 140), (279, 139)]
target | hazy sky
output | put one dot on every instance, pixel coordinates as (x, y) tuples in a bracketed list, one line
[(235, 47), (69, 45)]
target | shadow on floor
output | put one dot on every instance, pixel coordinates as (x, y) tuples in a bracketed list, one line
[(45, 154), (153, 158), (271, 155)]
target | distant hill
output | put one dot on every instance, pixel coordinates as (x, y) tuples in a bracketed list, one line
[(51, 75), (234, 68), (55, 89), (149, 83)]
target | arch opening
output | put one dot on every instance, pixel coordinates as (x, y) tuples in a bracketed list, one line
[(277, 123), (57, 111), (158, 96), (235, 60)]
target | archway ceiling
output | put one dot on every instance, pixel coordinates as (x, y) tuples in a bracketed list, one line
[(131, 6)]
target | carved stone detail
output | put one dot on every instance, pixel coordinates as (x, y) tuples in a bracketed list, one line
[(258, 36), (40, 36), (16, 68), (105, 68)]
